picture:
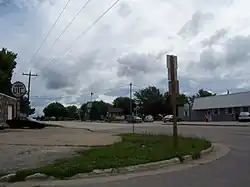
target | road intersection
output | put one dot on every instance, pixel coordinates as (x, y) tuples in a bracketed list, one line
[(232, 170)]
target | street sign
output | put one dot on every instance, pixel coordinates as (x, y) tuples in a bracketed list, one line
[(172, 67), (18, 89)]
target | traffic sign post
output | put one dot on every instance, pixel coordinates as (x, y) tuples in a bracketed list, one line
[(173, 91), (18, 90)]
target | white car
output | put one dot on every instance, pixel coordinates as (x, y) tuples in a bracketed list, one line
[(244, 116), (149, 118), (169, 118)]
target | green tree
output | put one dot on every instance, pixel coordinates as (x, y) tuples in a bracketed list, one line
[(204, 93), (123, 103), (152, 101), (98, 110), (25, 106), (72, 112), (181, 99), (7, 66), (55, 110)]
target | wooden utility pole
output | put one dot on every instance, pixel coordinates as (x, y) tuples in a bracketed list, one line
[(173, 90), (130, 106), (29, 85)]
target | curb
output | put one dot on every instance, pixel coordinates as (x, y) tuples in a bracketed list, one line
[(207, 125), (140, 167), (124, 170)]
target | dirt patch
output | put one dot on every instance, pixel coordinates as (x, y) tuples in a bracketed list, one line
[(25, 148)]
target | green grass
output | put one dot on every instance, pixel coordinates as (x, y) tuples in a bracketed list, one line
[(132, 150)]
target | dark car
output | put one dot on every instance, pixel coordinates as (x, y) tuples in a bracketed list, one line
[(24, 122)]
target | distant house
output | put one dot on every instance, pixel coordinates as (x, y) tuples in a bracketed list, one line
[(8, 107), (218, 108)]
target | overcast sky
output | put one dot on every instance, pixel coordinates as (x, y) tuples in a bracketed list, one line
[(129, 44)]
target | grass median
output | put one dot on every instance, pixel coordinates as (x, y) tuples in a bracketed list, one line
[(134, 149)]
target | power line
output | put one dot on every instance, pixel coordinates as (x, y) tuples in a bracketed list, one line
[(51, 29), (86, 30), (70, 23)]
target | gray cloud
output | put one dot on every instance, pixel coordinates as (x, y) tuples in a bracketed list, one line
[(133, 64), (124, 10), (237, 50), (215, 84), (234, 54), (194, 26), (216, 37)]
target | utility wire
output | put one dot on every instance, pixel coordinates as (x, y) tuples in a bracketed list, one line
[(51, 29), (70, 23), (86, 30)]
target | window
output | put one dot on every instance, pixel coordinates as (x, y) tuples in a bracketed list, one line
[(215, 112), (228, 111), (245, 109)]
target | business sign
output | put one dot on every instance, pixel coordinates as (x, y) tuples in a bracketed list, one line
[(18, 89), (172, 67)]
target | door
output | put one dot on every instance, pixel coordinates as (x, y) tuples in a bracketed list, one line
[(10, 112)]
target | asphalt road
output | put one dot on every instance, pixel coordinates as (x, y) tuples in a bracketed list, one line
[(232, 170)]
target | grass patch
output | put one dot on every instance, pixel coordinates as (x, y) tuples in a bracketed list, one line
[(132, 150)]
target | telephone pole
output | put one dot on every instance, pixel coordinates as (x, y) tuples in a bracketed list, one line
[(29, 84), (130, 106)]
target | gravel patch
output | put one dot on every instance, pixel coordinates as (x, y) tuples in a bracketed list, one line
[(14, 157)]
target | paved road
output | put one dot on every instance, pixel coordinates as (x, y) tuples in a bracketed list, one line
[(232, 170)]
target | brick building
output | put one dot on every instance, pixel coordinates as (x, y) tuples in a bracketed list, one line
[(8, 107)]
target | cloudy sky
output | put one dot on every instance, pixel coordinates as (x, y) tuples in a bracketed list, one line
[(128, 44)]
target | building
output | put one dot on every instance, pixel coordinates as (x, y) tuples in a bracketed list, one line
[(218, 108), (8, 107)]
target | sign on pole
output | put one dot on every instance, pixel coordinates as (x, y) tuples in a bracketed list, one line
[(18, 89), (172, 67)]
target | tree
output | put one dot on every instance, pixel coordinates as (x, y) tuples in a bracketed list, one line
[(152, 100), (98, 110), (72, 112), (204, 93), (55, 110), (123, 103), (7, 66), (25, 106), (181, 99)]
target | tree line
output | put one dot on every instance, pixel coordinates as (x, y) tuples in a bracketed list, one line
[(148, 101), (7, 66)]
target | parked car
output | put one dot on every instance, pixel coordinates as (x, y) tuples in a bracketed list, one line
[(136, 119), (3, 126), (169, 118), (149, 118), (244, 116), (25, 122)]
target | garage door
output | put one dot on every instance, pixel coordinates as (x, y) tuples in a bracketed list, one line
[(10, 112)]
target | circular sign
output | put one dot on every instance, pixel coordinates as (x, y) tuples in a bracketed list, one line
[(18, 89)]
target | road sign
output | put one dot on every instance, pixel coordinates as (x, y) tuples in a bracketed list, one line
[(18, 89), (172, 67)]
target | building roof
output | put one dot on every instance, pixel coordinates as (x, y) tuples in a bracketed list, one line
[(1, 94), (240, 99)]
